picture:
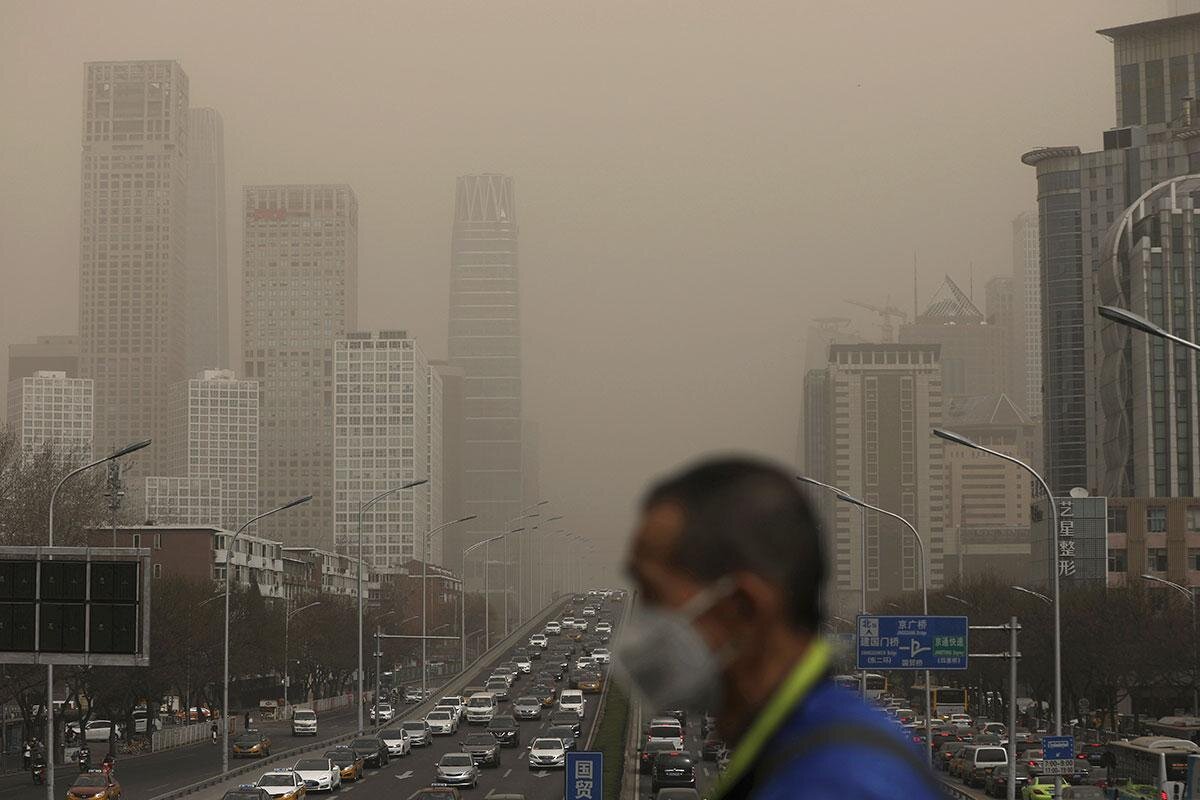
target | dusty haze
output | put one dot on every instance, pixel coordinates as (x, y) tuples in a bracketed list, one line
[(695, 180)]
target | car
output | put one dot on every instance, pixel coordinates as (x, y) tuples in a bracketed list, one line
[(527, 707), (372, 749), (588, 611), (539, 640), (996, 784), (444, 723), (604, 627), (676, 793), (458, 703), (1039, 787), (418, 732), (565, 733), (346, 760), (678, 714), (572, 700), (524, 664), (547, 753), (511, 669), (284, 784), (553, 628), (602, 655), (980, 762), (482, 747), (568, 718), (247, 791), (945, 753), (304, 722), (397, 741), (437, 793), (712, 747), (97, 730), (456, 769), (481, 707), (545, 694), (383, 712), (413, 694), (505, 730), (94, 785), (251, 743), (672, 733), (583, 663), (498, 687), (319, 774), (650, 751), (673, 768), (568, 624), (589, 682)]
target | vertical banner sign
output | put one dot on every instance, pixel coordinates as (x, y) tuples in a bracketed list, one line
[(1066, 537), (584, 776)]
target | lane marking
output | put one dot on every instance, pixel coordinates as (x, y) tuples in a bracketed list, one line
[(507, 773)]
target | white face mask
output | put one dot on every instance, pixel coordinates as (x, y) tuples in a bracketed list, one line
[(666, 658)]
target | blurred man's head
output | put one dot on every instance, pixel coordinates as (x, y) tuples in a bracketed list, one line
[(733, 545)]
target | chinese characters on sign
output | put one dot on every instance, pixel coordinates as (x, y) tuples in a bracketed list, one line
[(912, 642), (1066, 537), (584, 776)]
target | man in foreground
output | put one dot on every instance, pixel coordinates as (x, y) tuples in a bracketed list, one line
[(729, 562)]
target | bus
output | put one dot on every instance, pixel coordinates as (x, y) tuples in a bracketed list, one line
[(1149, 767), (876, 683), (946, 700)]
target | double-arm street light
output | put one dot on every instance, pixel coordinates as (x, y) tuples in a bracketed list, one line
[(924, 602), (124, 451), (425, 591), (287, 619), (959, 439), (1191, 597), (362, 510), (229, 545), (862, 564), (487, 628)]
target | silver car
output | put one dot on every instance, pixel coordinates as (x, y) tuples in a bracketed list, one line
[(527, 708), (456, 769), (418, 732)]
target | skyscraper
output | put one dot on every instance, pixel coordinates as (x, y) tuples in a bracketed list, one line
[(299, 295), (387, 432), (132, 244), (50, 409), (485, 341), (1080, 196), (207, 287), (1027, 309)]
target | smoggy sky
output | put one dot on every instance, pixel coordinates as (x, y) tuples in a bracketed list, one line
[(695, 179)]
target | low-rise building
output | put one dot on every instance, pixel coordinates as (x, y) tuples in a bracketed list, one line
[(311, 571)]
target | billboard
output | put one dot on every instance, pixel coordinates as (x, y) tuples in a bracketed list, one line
[(1082, 541), (75, 605)]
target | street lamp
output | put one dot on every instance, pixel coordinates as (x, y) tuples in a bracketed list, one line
[(1139, 323), (486, 602), (540, 595), (424, 592), (862, 568), (924, 604), (1032, 593), (286, 620), (1191, 596), (124, 451), (229, 545), (525, 513), (958, 600), (504, 536), (362, 510), (956, 438)]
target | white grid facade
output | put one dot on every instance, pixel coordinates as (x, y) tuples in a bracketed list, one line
[(1027, 299), (184, 501), (387, 402), (51, 409)]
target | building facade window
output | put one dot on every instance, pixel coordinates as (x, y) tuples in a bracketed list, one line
[(1118, 519), (1118, 560), (1156, 519), (1156, 559), (1193, 518)]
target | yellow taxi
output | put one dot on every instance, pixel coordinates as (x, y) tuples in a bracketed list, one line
[(251, 743), (94, 785), (345, 759), (590, 682)]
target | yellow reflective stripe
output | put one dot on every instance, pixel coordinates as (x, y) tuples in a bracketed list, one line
[(791, 692)]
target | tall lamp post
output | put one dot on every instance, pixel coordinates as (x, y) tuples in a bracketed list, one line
[(229, 545), (956, 438), (862, 564), (424, 592), (124, 451), (924, 603), (536, 594), (286, 621), (1191, 596), (362, 510), (525, 513), (507, 586), (463, 602)]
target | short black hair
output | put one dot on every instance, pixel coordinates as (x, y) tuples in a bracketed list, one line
[(748, 514)]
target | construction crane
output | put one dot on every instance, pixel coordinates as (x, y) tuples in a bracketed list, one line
[(887, 314)]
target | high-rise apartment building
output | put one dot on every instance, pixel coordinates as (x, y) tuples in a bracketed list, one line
[(1000, 307), (48, 409), (485, 341), (1080, 196), (48, 353), (883, 402), (1027, 310), (299, 295), (211, 454), (207, 283), (387, 432), (132, 244)]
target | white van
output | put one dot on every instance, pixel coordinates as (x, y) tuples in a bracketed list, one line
[(572, 700), (976, 770), (481, 707)]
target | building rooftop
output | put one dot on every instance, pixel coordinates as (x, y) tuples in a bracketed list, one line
[(1151, 27), (985, 410)]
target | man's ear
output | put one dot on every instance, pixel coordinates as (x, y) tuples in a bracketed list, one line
[(754, 599)]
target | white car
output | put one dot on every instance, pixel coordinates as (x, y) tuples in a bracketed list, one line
[(418, 732), (547, 754), (540, 640), (568, 622), (457, 702), (443, 722), (279, 782), (601, 655), (583, 662), (588, 611), (383, 713), (321, 771), (98, 730), (572, 700), (397, 741), (524, 664), (603, 627), (553, 628)]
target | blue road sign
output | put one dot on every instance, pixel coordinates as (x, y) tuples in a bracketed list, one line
[(1058, 748), (912, 642), (584, 776)]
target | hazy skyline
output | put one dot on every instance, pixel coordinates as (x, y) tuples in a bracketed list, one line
[(695, 180)]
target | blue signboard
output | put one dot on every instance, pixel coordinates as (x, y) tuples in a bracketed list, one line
[(1058, 748), (911, 642), (584, 776)]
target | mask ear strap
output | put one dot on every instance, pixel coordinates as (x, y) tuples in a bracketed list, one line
[(704, 599)]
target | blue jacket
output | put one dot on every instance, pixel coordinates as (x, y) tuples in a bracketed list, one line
[(835, 770)]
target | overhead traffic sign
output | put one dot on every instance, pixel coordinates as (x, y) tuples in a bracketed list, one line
[(584, 776), (913, 641)]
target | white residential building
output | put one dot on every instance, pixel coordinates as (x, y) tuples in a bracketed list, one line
[(48, 408)]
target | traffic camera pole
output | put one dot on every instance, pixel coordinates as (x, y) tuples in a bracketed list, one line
[(1012, 655)]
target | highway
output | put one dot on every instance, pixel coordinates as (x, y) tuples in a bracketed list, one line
[(706, 771)]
